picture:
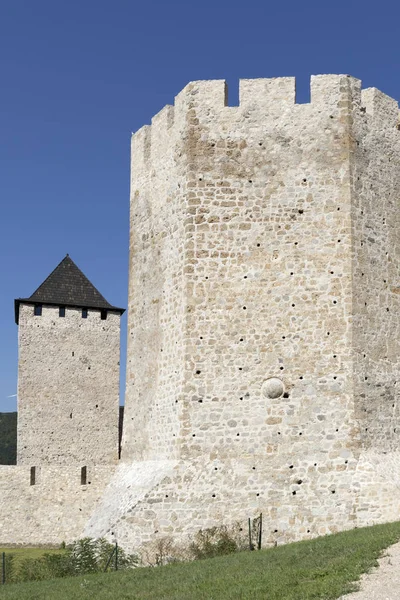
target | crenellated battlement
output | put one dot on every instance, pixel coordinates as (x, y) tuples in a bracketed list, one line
[(262, 103), (383, 110)]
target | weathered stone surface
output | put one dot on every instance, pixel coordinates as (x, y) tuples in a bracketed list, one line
[(68, 387), (264, 244), (68, 403), (53, 510)]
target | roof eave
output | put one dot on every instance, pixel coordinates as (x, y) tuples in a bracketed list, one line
[(19, 301)]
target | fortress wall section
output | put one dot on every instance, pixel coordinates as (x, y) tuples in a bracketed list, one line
[(268, 272), (268, 292), (240, 259), (52, 510), (68, 381), (280, 332), (376, 269), (314, 499), (156, 309)]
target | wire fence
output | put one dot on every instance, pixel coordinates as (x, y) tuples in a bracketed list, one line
[(56, 564), (205, 544), (114, 554)]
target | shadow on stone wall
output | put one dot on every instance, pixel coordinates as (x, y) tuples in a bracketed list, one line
[(120, 429), (8, 438)]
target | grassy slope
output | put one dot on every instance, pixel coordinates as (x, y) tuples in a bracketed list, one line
[(323, 568), (8, 438)]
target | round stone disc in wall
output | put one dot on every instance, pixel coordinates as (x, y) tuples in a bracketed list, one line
[(273, 387)]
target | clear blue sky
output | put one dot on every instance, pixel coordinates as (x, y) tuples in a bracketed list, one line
[(78, 77)]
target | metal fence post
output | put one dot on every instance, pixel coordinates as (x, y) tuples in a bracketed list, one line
[(3, 578), (116, 556), (250, 542), (260, 532), (109, 559)]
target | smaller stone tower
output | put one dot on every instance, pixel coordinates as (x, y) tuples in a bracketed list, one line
[(68, 372)]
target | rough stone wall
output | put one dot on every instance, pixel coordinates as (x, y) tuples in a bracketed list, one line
[(266, 217), (68, 387), (53, 510), (265, 284), (269, 294), (375, 181), (156, 315)]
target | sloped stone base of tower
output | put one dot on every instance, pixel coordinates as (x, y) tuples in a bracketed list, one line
[(154, 499)]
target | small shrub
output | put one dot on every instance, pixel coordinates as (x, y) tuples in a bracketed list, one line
[(10, 567), (84, 556), (162, 551), (215, 541), (92, 556), (33, 569), (79, 558)]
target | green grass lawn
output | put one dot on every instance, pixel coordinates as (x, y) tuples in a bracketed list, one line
[(323, 568), (22, 552)]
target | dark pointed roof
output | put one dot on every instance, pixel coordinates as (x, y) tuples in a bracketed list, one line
[(67, 286)]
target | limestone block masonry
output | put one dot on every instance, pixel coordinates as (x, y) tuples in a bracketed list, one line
[(68, 409), (68, 380), (54, 509), (263, 334)]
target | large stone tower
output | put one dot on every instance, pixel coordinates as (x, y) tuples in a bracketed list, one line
[(264, 313), (68, 372)]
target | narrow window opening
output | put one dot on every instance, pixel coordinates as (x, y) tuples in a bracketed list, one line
[(84, 313), (103, 315), (61, 311), (83, 475), (33, 475), (38, 310)]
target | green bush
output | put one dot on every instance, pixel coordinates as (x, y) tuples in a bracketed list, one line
[(216, 541), (91, 556), (79, 558), (9, 567)]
